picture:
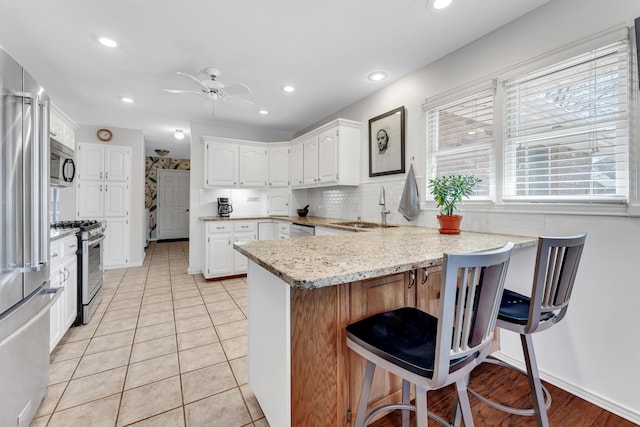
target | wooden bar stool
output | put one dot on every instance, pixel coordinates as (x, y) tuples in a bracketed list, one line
[(555, 273), (434, 352)]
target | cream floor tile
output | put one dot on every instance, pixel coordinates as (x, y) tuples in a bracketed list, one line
[(235, 347), (103, 361), (242, 302), (199, 357), (80, 332), (187, 302), (207, 381), (69, 350), (197, 338), (99, 413), (155, 318), (216, 297), (153, 348), (193, 311), (111, 341), (127, 303), (148, 400), (224, 305), (156, 307), (40, 421), (173, 418), (51, 399), (252, 403), (93, 387), (239, 293), (224, 409), (121, 314), (232, 329), (155, 331), (227, 316), (162, 297), (262, 422), (114, 326), (193, 323), (152, 370), (239, 368), (62, 371), (158, 289)]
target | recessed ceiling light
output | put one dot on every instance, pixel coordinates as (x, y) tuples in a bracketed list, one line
[(441, 4), (126, 100), (263, 112), (376, 76), (178, 134), (105, 41), (288, 89)]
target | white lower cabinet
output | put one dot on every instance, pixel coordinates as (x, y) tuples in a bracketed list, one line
[(326, 231), (284, 230), (221, 259), (64, 273), (116, 243)]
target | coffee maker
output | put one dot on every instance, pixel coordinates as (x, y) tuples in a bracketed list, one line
[(224, 206)]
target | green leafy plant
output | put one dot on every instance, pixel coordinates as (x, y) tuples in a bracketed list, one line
[(448, 191)]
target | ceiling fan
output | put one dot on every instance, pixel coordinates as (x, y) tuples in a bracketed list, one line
[(214, 89)]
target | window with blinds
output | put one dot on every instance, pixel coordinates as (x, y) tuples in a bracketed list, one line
[(460, 140), (566, 129)]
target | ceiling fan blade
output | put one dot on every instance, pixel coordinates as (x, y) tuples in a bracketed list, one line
[(199, 92), (237, 89), (239, 101), (194, 79)]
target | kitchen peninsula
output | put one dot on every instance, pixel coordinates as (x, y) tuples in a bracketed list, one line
[(303, 292)]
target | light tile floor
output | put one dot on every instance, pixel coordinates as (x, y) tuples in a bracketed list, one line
[(164, 349)]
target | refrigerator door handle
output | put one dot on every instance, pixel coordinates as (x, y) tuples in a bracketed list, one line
[(56, 294), (44, 182)]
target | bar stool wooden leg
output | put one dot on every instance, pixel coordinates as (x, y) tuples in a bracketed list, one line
[(534, 380)]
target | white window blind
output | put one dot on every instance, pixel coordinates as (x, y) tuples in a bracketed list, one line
[(567, 129), (460, 140)]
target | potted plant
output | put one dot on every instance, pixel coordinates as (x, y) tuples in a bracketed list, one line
[(447, 192)]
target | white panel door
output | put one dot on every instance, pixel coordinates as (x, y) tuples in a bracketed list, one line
[(116, 199), (296, 164), (278, 167), (240, 261), (116, 163), (173, 204), (310, 161), (219, 254), (89, 199), (90, 161), (253, 166), (116, 243), (328, 157), (221, 164)]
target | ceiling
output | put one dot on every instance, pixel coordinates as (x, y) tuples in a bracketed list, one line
[(325, 49)]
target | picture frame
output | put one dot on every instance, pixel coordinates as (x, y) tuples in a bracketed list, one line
[(386, 143)]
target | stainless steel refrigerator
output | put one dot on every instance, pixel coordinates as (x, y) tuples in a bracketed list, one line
[(25, 296)]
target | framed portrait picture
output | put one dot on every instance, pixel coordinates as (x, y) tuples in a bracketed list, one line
[(386, 143)]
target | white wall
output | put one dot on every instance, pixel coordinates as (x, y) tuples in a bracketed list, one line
[(594, 351), (130, 138)]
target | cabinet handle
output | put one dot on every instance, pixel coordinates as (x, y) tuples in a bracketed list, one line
[(412, 281), (426, 274), (106, 175), (234, 183), (100, 174), (101, 188), (106, 188), (229, 242), (241, 183), (53, 255)]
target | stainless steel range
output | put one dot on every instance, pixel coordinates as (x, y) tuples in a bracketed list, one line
[(90, 268)]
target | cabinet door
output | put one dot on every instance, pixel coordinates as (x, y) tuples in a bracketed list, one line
[(116, 199), (278, 166), (56, 126), (310, 161), (296, 164), (116, 243), (328, 157), (428, 291), (69, 137), (116, 163), (70, 270), (219, 255), (279, 203), (253, 166), (239, 260), (55, 313), (221, 164), (371, 297), (89, 199), (90, 162)]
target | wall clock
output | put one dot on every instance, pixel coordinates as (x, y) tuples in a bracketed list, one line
[(104, 135)]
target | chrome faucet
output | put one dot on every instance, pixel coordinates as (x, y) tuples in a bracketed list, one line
[(383, 209)]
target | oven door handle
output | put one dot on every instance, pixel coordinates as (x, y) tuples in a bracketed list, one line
[(96, 240)]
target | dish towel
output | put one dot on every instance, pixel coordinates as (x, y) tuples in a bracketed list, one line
[(410, 201)]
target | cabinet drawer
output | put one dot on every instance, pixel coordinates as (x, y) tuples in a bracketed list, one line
[(219, 227), (283, 228), (70, 247), (56, 253), (244, 226)]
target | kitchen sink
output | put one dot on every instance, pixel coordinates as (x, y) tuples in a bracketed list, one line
[(360, 224)]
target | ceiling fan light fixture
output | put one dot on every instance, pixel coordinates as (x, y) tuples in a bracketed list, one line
[(106, 41), (162, 153), (178, 134), (376, 76)]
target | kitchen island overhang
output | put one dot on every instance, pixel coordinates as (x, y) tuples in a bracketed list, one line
[(303, 292)]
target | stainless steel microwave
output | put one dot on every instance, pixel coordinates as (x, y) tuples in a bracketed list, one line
[(62, 169)]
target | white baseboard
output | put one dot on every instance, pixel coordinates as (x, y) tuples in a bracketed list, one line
[(190, 271), (613, 407)]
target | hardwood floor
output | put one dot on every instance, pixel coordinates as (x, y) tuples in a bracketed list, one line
[(512, 389)]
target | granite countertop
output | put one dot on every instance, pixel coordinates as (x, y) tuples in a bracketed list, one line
[(59, 233), (314, 262), (309, 220)]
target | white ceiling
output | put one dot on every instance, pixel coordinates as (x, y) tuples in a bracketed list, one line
[(324, 48)]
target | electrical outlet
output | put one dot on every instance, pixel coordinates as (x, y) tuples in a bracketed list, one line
[(253, 199)]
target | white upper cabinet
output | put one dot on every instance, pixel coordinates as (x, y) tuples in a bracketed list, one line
[(296, 164), (328, 156), (62, 128), (253, 166), (278, 166), (310, 148), (103, 162), (221, 164)]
